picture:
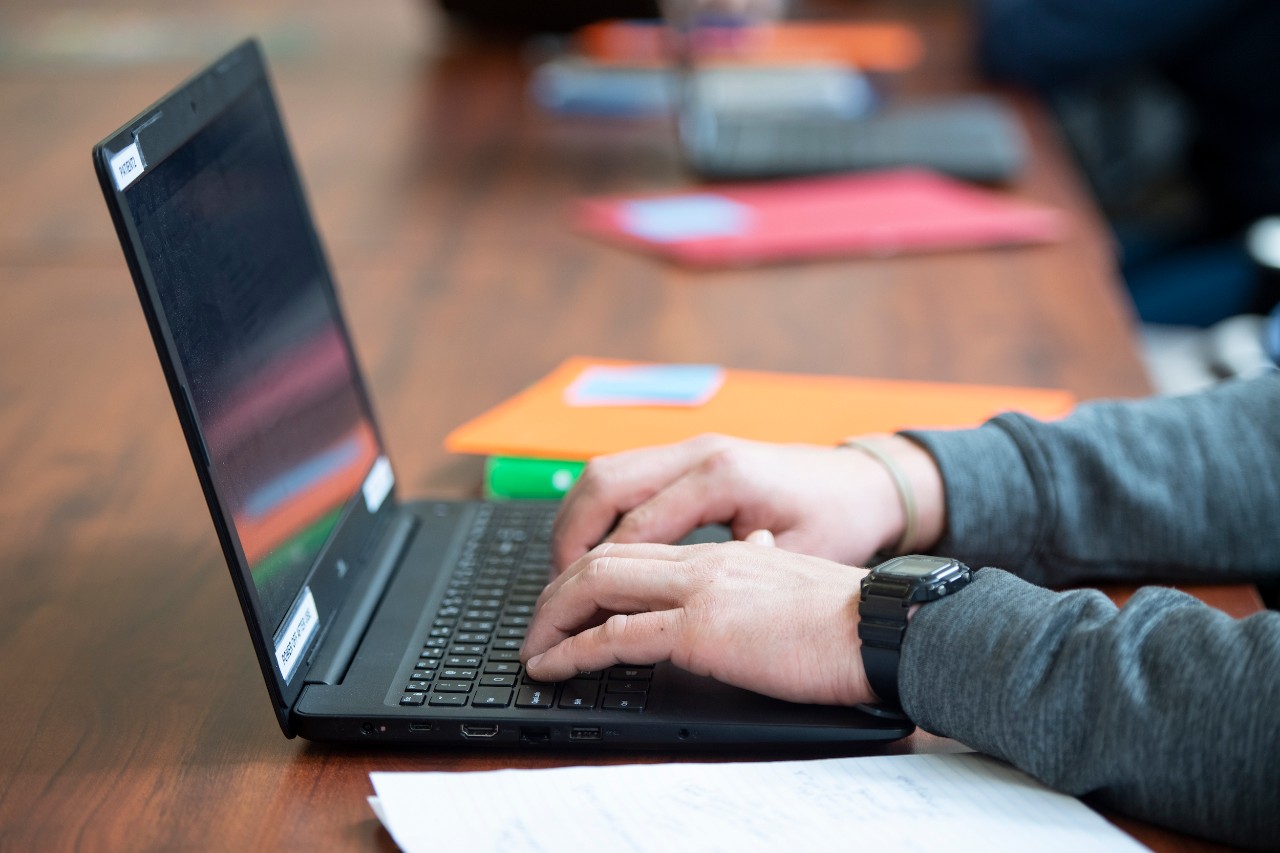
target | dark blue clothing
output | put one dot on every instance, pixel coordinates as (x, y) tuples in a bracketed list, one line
[(1223, 56)]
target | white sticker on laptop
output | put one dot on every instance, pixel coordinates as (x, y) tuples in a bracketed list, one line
[(126, 166), (292, 642), (378, 484)]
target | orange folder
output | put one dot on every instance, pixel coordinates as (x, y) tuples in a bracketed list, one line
[(867, 45), (783, 407)]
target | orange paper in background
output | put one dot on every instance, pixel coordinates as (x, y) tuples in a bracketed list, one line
[(867, 46), (784, 407)]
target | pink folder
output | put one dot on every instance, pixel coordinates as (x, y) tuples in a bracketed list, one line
[(876, 213)]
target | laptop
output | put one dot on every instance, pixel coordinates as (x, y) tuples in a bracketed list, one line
[(745, 121), (374, 619), (973, 137)]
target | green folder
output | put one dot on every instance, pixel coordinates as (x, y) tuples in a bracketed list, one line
[(527, 478)]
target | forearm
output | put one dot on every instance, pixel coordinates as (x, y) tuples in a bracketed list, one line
[(1169, 488), (1164, 710)]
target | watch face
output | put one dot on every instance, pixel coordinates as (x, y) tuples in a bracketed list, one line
[(914, 566)]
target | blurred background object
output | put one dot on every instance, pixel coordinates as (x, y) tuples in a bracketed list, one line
[(1173, 107), (539, 16)]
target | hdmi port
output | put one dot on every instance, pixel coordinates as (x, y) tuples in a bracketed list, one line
[(479, 731)]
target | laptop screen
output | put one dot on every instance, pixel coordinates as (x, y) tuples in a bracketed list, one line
[(243, 287)]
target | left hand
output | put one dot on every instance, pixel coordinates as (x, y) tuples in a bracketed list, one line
[(757, 617)]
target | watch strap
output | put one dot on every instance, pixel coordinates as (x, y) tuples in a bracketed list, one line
[(882, 624)]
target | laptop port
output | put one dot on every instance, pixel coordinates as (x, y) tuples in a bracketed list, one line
[(479, 731), (584, 733), (419, 727), (535, 734)]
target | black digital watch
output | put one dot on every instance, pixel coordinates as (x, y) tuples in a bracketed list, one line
[(888, 592)]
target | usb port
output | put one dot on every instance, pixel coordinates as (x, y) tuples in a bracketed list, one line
[(584, 733), (419, 727), (479, 731)]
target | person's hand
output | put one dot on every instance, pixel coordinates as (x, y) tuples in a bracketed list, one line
[(757, 617), (835, 503)]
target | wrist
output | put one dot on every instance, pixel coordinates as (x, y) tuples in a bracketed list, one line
[(914, 490)]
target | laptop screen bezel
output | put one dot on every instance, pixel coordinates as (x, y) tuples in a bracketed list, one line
[(159, 132)]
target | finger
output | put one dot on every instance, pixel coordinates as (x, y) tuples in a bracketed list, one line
[(632, 551), (763, 538), (704, 495), (638, 638), (612, 485), (608, 584)]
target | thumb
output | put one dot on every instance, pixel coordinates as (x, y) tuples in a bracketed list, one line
[(763, 538)]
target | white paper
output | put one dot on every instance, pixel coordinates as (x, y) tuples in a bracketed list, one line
[(908, 802)]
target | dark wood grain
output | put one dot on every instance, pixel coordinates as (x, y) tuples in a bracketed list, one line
[(133, 713)]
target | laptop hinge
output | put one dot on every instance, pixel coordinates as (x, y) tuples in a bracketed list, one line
[(336, 652)]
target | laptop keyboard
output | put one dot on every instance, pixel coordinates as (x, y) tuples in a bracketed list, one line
[(471, 653)]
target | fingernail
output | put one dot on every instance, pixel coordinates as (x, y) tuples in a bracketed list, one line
[(761, 537), (534, 661)]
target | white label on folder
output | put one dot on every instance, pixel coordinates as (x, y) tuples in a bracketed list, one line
[(126, 166), (291, 643), (378, 484)]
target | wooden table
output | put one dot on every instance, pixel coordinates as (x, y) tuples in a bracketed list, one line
[(133, 713)]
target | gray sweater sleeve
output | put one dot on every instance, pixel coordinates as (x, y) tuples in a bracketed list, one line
[(1168, 489), (1165, 709)]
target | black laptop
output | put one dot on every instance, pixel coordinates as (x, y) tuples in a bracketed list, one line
[(821, 119), (971, 137), (374, 619)]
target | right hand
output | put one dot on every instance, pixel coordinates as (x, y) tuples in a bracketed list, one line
[(828, 502), (732, 611)]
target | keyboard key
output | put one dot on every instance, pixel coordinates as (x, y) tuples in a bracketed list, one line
[(505, 655), (493, 697), (511, 632), (412, 699), (631, 673), (512, 645), (469, 661), (476, 625), (450, 686), (502, 668), (498, 680), (535, 696), (431, 654), (458, 674), (578, 694), (435, 643), (417, 687), (624, 702), (469, 649), (626, 686), (472, 637), (419, 675), (456, 699)]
